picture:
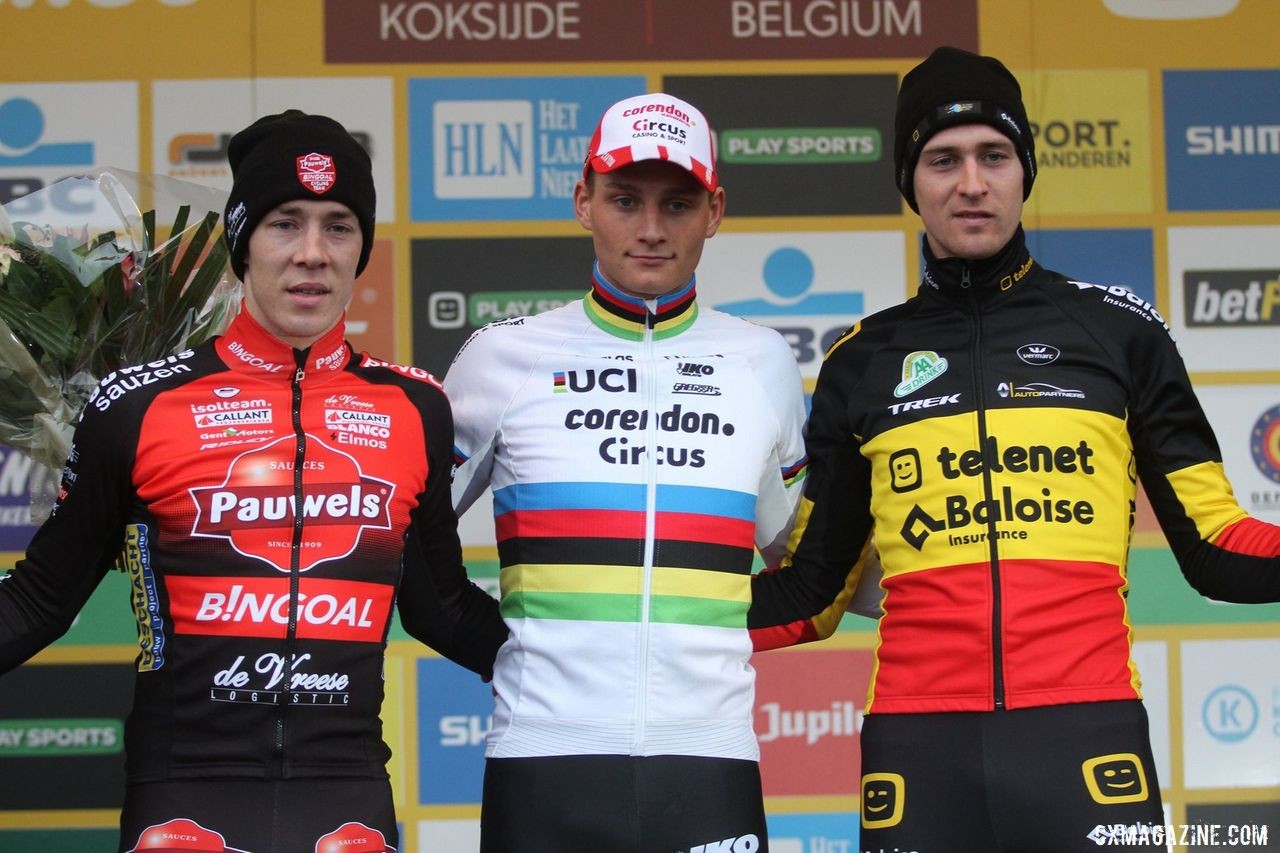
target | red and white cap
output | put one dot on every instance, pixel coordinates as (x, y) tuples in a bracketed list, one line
[(655, 126)]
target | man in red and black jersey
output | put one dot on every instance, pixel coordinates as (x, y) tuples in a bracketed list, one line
[(271, 493), (988, 436)]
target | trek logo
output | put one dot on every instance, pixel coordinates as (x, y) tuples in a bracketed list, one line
[(1038, 353), (255, 507), (615, 380), (749, 843), (919, 369), (325, 609), (1227, 298)]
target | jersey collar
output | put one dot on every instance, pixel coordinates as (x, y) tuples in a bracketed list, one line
[(999, 273), (627, 317), (246, 346)]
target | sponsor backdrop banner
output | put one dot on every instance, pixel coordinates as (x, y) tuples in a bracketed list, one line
[(1156, 126)]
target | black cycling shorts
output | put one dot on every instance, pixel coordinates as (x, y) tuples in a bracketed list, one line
[(622, 804), (1054, 779), (260, 816)]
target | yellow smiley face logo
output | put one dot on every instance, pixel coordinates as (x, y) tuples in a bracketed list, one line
[(904, 470), (883, 796), (1115, 778)]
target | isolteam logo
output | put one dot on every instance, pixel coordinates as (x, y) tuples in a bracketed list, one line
[(1231, 297), (255, 507)]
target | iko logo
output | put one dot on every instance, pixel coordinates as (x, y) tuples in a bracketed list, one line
[(483, 149), (1230, 713), (749, 843), (919, 369), (686, 368), (1038, 353)]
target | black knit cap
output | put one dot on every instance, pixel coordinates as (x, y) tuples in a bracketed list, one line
[(293, 155), (952, 87)]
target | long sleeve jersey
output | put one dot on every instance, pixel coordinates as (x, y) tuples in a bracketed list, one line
[(260, 499), (639, 452), (989, 435)]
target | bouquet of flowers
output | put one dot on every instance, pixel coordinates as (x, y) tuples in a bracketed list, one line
[(95, 284)]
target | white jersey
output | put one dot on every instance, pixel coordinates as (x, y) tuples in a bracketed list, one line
[(639, 452)]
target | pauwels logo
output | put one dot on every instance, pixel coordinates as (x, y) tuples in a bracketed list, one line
[(316, 172), (919, 369), (254, 508)]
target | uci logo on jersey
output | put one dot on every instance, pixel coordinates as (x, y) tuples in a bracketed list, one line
[(615, 380)]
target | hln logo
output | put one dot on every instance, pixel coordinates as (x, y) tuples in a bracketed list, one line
[(483, 149)]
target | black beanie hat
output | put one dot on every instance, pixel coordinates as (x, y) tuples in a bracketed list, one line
[(289, 156), (952, 87)]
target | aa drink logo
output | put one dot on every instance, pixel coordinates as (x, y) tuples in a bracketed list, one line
[(43, 139), (503, 148), (255, 507), (1222, 139)]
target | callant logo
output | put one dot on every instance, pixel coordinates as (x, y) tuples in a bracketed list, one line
[(255, 507)]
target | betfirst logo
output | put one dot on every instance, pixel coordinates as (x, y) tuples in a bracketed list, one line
[(352, 611), (255, 507)]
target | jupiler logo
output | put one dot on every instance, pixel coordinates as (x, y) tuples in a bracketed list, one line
[(255, 507)]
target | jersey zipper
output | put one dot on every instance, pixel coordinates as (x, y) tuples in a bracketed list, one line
[(980, 408), (650, 528), (295, 560)]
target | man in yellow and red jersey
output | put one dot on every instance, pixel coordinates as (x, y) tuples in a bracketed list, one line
[(989, 435)]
